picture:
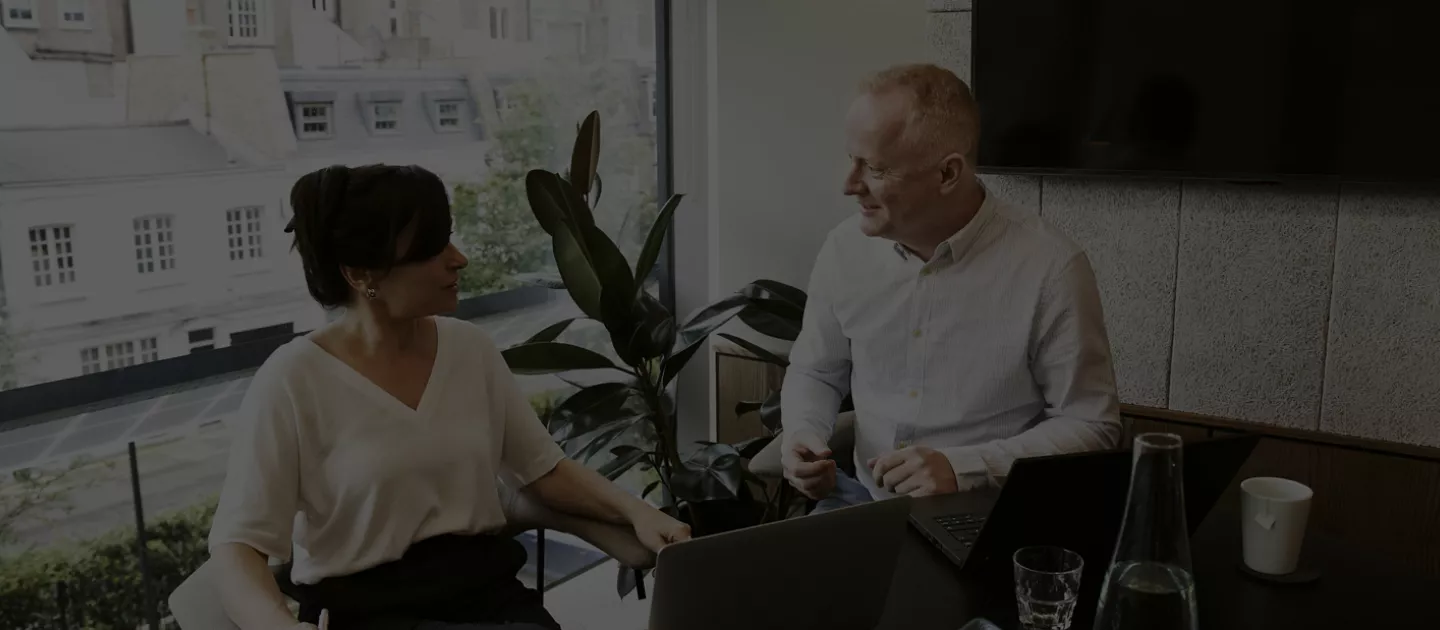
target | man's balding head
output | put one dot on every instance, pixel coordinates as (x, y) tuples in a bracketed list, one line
[(911, 136), (943, 117)]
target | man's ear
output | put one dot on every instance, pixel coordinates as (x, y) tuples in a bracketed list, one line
[(952, 172)]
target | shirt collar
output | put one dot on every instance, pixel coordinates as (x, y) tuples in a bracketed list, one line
[(960, 241)]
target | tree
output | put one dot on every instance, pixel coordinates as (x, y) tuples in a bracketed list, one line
[(492, 218), (35, 497)]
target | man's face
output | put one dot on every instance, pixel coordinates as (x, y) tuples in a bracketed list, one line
[(888, 178)]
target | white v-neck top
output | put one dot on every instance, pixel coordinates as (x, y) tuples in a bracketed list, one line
[(323, 459)]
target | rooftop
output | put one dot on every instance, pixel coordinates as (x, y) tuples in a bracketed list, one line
[(39, 155)]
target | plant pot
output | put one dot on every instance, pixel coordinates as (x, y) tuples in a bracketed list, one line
[(716, 517)]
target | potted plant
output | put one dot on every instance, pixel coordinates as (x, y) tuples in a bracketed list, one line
[(631, 419)]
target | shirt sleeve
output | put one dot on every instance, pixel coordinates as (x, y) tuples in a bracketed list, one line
[(260, 496), (1072, 366), (527, 448), (819, 373)]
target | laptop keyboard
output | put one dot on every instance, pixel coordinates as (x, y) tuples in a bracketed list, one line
[(964, 527)]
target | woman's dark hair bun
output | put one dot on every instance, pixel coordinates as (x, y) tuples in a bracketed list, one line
[(354, 217)]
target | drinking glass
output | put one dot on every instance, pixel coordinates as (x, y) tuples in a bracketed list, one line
[(1047, 583)]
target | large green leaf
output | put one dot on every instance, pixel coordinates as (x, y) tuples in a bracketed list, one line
[(694, 332), (551, 332), (551, 357), (752, 447), (547, 200), (772, 318), (752, 348), (770, 412), (577, 209), (713, 472), (711, 318), (776, 290), (656, 334), (586, 446), (626, 457), (651, 252), (585, 158), (747, 406), (588, 409), (581, 280)]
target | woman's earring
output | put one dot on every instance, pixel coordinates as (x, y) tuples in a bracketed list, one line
[(370, 292)]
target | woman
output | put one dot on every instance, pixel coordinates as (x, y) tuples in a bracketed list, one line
[(371, 446)]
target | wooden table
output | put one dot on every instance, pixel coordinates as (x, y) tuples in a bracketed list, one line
[(1352, 592)]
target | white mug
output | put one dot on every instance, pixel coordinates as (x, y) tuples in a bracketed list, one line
[(1273, 515)]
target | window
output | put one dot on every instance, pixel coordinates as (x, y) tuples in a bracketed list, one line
[(385, 117), (243, 229), (73, 14), (20, 13), (118, 355), (154, 244), (494, 23), (447, 115), (314, 120), (244, 19), (52, 255), (97, 365), (89, 360), (202, 339), (394, 26)]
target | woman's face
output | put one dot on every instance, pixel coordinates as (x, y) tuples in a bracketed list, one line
[(420, 288)]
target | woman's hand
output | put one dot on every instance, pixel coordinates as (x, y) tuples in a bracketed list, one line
[(656, 529)]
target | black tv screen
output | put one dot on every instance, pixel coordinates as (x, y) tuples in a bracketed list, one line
[(1231, 89)]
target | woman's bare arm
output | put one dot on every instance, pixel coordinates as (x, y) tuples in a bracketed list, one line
[(248, 591), (574, 489)]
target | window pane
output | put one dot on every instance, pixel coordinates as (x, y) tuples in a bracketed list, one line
[(166, 245)]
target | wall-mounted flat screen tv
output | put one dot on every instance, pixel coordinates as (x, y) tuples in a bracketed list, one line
[(1230, 89)]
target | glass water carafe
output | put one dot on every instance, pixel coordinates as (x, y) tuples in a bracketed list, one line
[(1150, 583)]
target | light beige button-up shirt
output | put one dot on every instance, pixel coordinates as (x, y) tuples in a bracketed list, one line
[(994, 349)]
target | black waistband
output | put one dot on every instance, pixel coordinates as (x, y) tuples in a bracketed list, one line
[(451, 578)]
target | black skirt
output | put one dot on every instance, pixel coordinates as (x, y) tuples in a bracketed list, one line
[(450, 579)]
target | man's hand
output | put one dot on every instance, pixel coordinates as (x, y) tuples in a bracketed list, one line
[(807, 465), (916, 471), (656, 529)]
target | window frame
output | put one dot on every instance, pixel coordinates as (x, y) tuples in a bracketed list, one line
[(22, 405), (441, 117), (53, 257), (374, 119), (31, 22), (162, 250), (241, 239), (259, 10), (301, 119)]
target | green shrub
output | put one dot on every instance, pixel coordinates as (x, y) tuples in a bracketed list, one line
[(103, 575)]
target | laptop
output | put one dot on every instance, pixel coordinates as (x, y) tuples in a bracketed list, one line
[(1076, 501), (818, 571)]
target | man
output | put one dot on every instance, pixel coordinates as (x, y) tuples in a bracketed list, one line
[(967, 330)]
